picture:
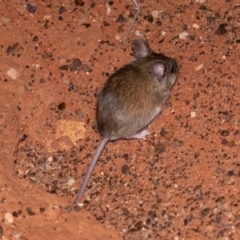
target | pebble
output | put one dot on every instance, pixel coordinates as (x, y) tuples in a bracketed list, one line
[(108, 8), (125, 169), (5, 19), (138, 33), (167, 135), (196, 26), (160, 148), (163, 33), (154, 14), (12, 73), (8, 218), (183, 35), (75, 65), (201, 1), (117, 37), (31, 8), (224, 133), (50, 159), (199, 67), (193, 114)]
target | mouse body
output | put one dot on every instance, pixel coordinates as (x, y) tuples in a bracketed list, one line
[(131, 98)]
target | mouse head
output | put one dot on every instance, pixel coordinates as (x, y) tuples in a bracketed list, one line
[(160, 67)]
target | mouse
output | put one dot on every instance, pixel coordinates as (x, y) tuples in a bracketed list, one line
[(131, 98)]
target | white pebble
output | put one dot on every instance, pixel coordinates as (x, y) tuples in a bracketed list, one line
[(196, 26), (50, 159), (8, 218), (12, 73), (137, 33), (183, 35), (154, 14), (199, 67), (108, 8), (201, 1), (47, 17), (163, 33), (117, 37), (193, 114)]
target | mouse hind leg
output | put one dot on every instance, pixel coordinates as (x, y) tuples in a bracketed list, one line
[(140, 135)]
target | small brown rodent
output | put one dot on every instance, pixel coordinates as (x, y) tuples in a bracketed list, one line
[(131, 98)]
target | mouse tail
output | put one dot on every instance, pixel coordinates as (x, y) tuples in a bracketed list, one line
[(92, 164)]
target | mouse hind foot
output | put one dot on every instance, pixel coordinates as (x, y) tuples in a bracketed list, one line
[(140, 135)]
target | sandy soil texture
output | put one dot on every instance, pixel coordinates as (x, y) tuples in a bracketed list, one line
[(182, 182)]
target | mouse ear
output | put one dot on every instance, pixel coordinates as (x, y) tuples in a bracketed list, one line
[(141, 48), (156, 69)]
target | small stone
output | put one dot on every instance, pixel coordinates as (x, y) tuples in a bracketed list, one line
[(75, 65), (120, 19), (64, 67), (61, 10), (41, 210), (199, 67), (160, 148), (79, 3), (167, 135), (108, 8), (155, 13), (106, 24), (193, 114), (163, 33), (31, 8), (35, 38), (221, 29), (138, 33), (201, 1), (205, 212), (50, 159), (14, 48), (117, 37), (183, 35), (125, 169), (196, 26), (224, 133), (224, 142), (30, 211), (8, 218), (13, 73), (230, 173)]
